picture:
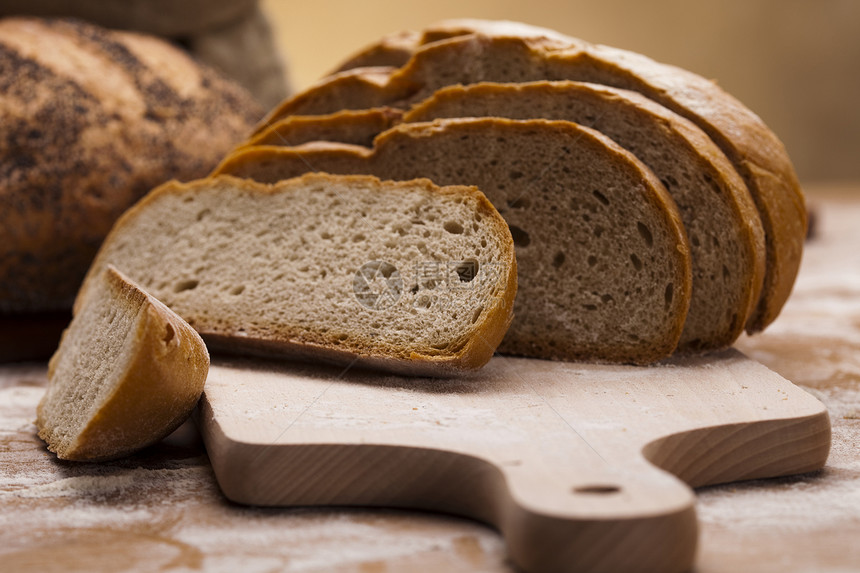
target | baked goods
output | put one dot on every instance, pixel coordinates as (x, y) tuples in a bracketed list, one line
[(407, 277), (395, 49), (517, 53), (357, 127), (231, 36), (91, 121), (722, 223), (127, 373), (604, 265)]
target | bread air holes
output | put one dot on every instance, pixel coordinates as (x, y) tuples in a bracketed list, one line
[(600, 197), (669, 295), (467, 270), (558, 260), (453, 227), (425, 301), (477, 314), (187, 284), (520, 237), (645, 233)]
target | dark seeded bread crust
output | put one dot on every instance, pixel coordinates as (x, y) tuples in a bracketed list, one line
[(93, 119), (509, 52), (527, 167)]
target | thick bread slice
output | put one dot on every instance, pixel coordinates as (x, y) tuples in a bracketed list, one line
[(722, 223), (603, 257), (407, 277), (525, 53), (127, 373), (357, 127), (353, 89)]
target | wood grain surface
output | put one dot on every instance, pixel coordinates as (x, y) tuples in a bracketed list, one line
[(554, 455), (162, 510)]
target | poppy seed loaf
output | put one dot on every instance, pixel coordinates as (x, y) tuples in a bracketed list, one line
[(91, 120)]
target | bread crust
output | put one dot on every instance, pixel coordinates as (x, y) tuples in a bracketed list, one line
[(157, 390), (465, 51), (357, 127), (473, 351), (92, 120)]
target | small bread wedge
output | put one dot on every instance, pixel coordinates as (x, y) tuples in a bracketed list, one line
[(127, 373), (406, 276), (603, 258)]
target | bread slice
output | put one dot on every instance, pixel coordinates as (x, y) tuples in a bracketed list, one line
[(518, 53), (357, 127), (407, 277), (604, 264), (722, 223), (128, 372)]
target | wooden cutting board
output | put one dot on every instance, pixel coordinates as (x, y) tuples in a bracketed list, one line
[(580, 467)]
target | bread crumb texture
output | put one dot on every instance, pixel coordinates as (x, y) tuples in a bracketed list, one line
[(349, 264)]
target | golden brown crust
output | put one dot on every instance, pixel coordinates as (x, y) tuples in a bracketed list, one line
[(393, 50), (159, 388), (357, 127), (352, 89), (93, 120)]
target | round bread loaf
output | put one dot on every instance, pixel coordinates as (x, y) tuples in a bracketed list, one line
[(90, 120)]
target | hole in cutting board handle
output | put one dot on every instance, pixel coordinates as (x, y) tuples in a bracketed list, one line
[(601, 489)]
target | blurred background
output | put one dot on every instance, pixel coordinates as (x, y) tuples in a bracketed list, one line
[(796, 63)]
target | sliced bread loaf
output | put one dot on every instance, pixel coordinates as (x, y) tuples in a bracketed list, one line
[(407, 277), (603, 256), (127, 373), (523, 53), (722, 223)]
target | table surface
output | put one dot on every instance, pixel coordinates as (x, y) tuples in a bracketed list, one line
[(162, 510)]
